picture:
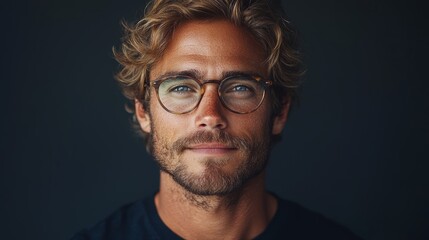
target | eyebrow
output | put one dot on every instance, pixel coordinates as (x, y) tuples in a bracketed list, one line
[(190, 72), (194, 73), (241, 73)]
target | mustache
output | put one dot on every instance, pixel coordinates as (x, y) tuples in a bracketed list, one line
[(208, 137)]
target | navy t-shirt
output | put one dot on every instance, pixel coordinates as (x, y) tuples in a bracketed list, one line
[(140, 220)]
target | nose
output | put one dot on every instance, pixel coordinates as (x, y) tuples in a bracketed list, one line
[(210, 111)]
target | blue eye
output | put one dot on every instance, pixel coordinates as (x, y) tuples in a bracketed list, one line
[(181, 89), (240, 88)]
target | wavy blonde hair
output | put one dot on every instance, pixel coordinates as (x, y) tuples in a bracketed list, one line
[(145, 41)]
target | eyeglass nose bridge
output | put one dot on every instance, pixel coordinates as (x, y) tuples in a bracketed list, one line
[(202, 89)]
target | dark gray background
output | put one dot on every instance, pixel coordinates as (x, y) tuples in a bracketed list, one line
[(355, 149)]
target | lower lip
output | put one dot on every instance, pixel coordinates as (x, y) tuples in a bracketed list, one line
[(211, 150)]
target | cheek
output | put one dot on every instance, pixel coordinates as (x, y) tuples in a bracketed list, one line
[(166, 126), (250, 126)]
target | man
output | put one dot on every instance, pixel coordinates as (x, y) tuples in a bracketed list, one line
[(212, 83)]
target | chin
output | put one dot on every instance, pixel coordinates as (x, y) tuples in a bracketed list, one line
[(214, 179)]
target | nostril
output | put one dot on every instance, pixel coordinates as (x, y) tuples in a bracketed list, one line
[(210, 121)]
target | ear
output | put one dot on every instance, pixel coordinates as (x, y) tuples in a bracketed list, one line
[(142, 116), (281, 118)]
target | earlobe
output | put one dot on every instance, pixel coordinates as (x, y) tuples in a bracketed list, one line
[(281, 118), (142, 116)]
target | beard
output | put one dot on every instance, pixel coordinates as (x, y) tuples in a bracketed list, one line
[(214, 179)]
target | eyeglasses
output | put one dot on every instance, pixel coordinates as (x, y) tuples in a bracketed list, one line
[(180, 94)]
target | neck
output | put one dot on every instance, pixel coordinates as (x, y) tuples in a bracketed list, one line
[(243, 214)]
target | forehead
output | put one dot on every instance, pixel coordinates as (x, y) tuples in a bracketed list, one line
[(211, 47)]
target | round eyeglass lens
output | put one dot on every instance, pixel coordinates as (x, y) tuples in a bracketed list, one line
[(242, 94), (179, 94)]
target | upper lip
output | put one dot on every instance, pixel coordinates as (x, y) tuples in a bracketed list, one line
[(210, 146)]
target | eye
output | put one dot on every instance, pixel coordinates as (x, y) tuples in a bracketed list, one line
[(240, 88), (181, 89), (178, 86)]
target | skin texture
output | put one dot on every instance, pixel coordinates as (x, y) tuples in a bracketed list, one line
[(212, 160)]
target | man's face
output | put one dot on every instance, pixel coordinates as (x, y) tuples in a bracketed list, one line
[(211, 150)]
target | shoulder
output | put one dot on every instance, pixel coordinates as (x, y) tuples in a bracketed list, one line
[(129, 222), (294, 221)]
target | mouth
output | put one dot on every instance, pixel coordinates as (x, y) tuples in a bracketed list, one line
[(211, 148)]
